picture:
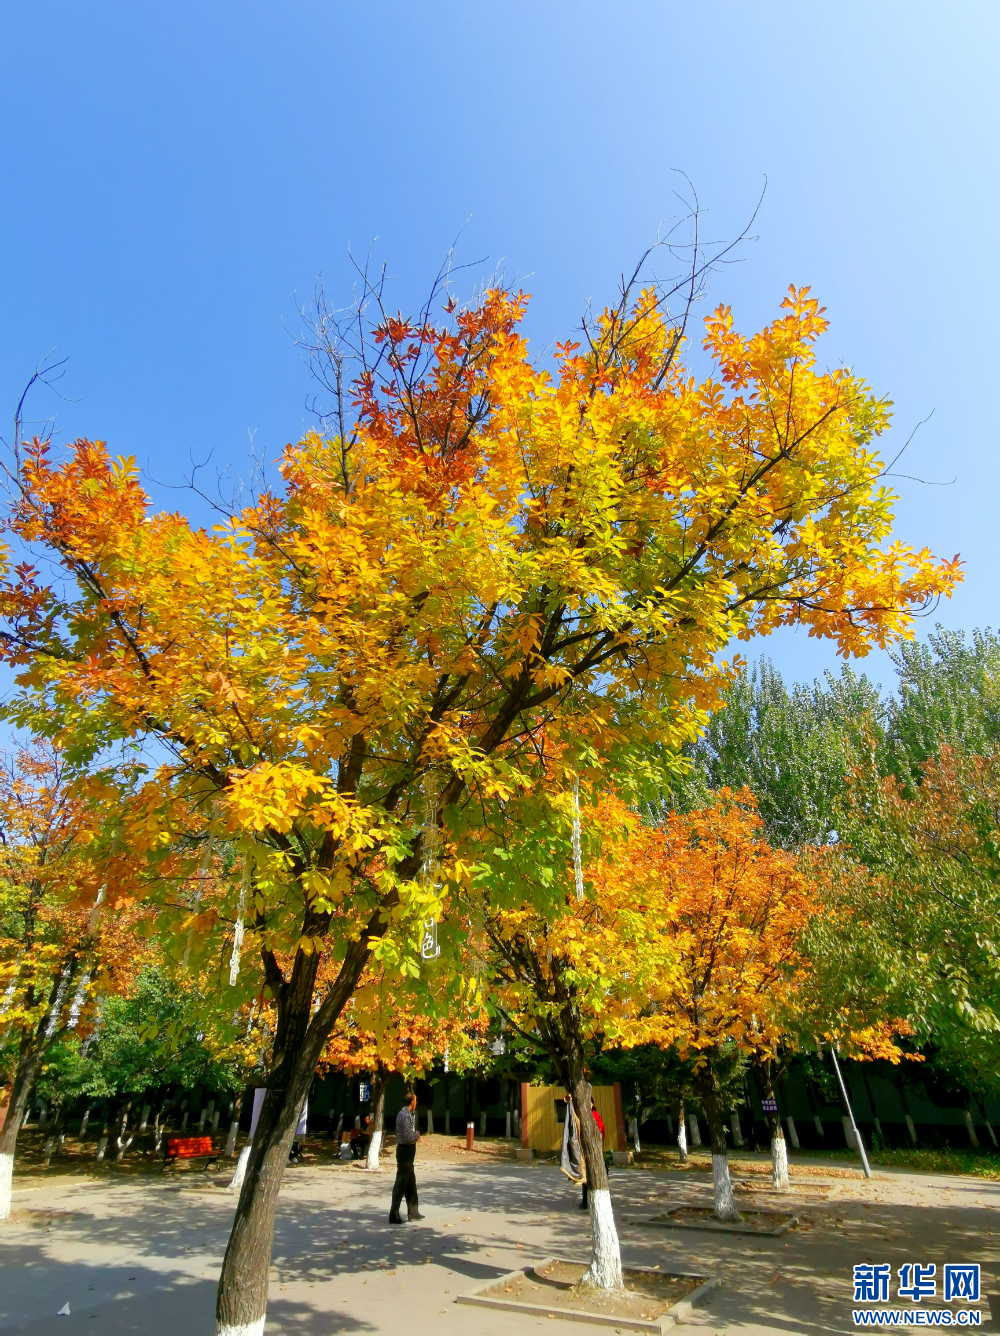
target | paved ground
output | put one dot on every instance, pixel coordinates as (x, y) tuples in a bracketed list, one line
[(141, 1254)]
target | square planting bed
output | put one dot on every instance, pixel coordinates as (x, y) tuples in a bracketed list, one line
[(653, 1302), (769, 1223)]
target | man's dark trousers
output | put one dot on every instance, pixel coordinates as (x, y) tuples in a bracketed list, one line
[(406, 1181)]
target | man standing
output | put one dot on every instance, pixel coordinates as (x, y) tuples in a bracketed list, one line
[(405, 1185)]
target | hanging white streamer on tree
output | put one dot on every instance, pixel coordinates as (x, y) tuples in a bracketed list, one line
[(95, 1032), (430, 863), (11, 988), (234, 963), (577, 852), (197, 895), (78, 1000), (50, 1029)]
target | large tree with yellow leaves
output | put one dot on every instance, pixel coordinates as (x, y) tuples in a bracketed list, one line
[(493, 550)]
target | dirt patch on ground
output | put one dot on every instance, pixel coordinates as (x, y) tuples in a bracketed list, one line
[(703, 1217), (43, 1219), (556, 1286)]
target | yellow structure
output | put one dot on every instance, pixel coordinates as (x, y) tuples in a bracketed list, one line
[(542, 1112)]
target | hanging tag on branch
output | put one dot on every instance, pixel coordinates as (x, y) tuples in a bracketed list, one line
[(577, 853)]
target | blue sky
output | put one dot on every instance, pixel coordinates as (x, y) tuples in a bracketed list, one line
[(178, 176)]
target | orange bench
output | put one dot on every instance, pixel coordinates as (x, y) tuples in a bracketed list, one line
[(189, 1148)]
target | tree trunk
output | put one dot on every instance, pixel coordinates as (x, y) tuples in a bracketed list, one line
[(722, 1187), (121, 1145), (241, 1303), (20, 1096), (34, 1046), (380, 1078), (234, 1128), (682, 1135), (54, 1139), (605, 1270), (779, 1151)]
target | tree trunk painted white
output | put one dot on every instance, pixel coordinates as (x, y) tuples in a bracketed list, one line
[(793, 1135), (911, 1129), (507, 1131), (102, 1146), (818, 1124), (234, 1131), (49, 1144), (779, 1162), (695, 1129), (682, 1139), (374, 1151), (144, 1120), (6, 1174), (245, 1329), (633, 1127), (184, 1121), (201, 1121), (84, 1122), (971, 1128), (989, 1128), (722, 1190), (848, 1132), (239, 1174), (215, 1120), (734, 1123), (43, 1117), (605, 1270)]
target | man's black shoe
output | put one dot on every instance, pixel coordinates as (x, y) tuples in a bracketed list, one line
[(396, 1220), (415, 1215)]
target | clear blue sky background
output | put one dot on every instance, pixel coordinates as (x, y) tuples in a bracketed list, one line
[(178, 175)]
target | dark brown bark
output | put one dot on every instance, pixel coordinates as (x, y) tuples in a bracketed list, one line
[(591, 1142), (34, 1045), (705, 1083), (299, 1040), (28, 1069)]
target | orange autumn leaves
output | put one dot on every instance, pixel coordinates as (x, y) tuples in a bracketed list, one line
[(739, 909), (694, 934)]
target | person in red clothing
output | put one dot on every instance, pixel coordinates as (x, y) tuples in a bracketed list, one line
[(600, 1123)]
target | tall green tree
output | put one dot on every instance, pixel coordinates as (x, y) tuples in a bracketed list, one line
[(793, 748)]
